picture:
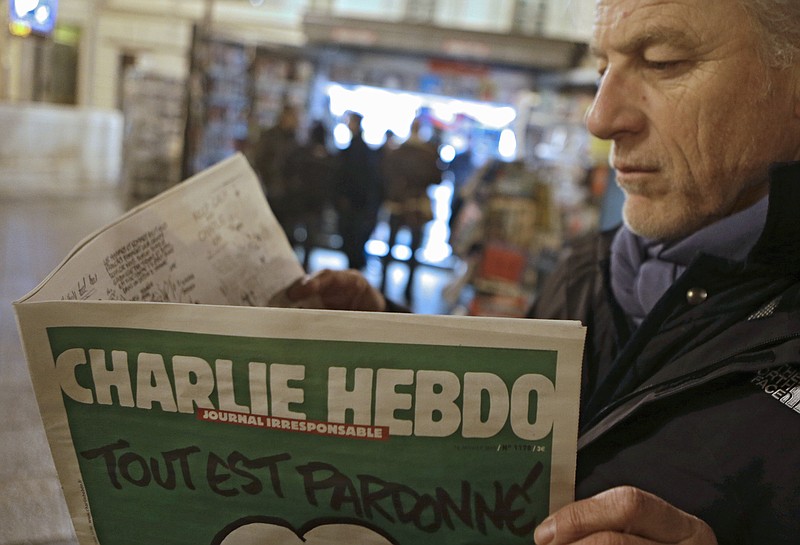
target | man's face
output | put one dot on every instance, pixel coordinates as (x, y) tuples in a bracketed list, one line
[(695, 116)]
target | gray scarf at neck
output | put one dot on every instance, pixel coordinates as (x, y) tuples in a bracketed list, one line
[(642, 270)]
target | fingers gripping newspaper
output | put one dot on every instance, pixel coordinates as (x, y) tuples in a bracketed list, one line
[(182, 407)]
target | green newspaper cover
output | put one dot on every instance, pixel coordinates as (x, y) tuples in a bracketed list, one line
[(188, 418)]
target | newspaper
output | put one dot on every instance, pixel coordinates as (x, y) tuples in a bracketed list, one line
[(181, 408)]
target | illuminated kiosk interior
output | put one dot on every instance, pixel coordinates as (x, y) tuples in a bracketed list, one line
[(389, 110)]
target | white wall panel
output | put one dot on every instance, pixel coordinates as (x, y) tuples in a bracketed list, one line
[(494, 16), (569, 19)]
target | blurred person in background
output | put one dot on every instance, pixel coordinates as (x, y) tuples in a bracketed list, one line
[(408, 171), (460, 170), (275, 145), (311, 173), (359, 194)]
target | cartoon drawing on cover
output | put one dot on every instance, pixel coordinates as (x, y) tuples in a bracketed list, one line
[(263, 530)]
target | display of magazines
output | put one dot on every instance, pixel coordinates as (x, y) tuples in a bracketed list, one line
[(508, 219), (155, 118), (235, 91), (185, 403)]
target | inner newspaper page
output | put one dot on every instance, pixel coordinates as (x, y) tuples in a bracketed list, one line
[(211, 239)]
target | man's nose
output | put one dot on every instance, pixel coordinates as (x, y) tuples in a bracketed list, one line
[(616, 109)]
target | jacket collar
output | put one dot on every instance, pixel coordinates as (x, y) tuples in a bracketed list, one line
[(771, 266), (779, 244)]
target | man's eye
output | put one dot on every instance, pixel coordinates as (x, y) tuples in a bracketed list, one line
[(662, 65)]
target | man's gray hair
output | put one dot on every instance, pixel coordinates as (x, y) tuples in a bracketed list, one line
[(778, 22)]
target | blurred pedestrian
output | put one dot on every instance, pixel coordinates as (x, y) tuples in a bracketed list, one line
[(409, 171), (274, 146), (312, 175), (359, 194)]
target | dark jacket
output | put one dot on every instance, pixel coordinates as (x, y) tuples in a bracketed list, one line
[(700, 404), (360, 182), (311, 172), (409, 170)]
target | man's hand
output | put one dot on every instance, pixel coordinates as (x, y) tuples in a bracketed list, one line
[(623, 516), (339, 290)]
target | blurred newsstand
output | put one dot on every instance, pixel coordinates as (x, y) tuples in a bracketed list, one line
[(516, 216)]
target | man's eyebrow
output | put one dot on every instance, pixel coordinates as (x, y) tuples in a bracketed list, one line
[(649, 37)]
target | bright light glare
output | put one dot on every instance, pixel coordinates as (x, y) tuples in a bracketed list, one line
[(508, 144), (382, 109), (445, 111), (447, 153), (441, 195), (401, 252), (42, 14), (459, 142), (374, 131), (340, 99), (491, 116), (377, 247), (437, 249), (23, 7), (341, 136)]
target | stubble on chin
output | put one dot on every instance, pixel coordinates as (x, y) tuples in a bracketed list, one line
[(662, 221)]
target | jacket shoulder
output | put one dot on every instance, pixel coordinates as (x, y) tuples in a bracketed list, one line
[(576, 280)]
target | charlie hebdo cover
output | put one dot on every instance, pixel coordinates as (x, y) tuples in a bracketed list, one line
[(182, 406)]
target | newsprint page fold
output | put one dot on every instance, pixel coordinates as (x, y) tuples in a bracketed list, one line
[(183, 406)]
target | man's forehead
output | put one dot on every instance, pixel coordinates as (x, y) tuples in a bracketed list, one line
[(632, 25), (640, 38)]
